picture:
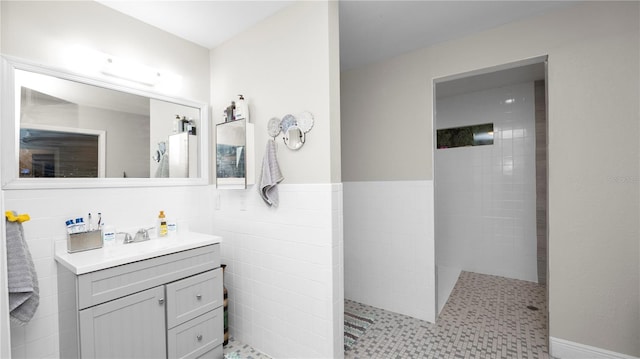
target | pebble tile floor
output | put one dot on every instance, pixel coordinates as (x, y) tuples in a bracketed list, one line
[(485, 317), (237, 350)]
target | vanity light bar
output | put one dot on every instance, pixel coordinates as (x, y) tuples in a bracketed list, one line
[(128, 70), (93, 62)]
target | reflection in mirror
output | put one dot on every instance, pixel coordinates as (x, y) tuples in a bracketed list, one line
[(183, 156), (231, 151), (73, 129), (47, 151), (294, 138), (125, 118)]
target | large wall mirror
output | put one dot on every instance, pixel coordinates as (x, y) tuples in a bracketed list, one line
[(71, 131)]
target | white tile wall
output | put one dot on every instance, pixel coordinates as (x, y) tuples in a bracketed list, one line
[(126, 208), (284, 269), (485, 195), (389, 246)]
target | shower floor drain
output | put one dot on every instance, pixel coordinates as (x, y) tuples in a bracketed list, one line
[(531, 307)]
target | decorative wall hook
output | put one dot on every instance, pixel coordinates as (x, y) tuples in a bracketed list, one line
[(293, 127)]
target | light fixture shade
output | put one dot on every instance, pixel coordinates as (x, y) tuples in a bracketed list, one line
[(129, 70), (92, 62)]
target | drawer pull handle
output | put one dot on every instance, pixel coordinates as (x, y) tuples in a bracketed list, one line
[(199, 337), (161, 301), (199, 296)]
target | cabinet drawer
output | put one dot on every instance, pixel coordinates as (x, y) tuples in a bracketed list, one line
[(108, 284), (215, 353), (197, 337), (193, 296)]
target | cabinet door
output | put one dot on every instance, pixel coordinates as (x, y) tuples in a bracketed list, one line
[(193, 296), (129, 327)]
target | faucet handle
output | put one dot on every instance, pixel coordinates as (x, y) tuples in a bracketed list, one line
[(142, 235), (145, 232), (127, 237)]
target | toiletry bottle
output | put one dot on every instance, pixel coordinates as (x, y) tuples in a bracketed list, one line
[(233, 110), (79, 227), (242, 109), (177, 124), (70, 226), (171, 227), (184, 124), (108, 235), (162, 225), (192, 127)]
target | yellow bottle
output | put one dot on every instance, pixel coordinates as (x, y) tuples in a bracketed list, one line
[(162, 225)]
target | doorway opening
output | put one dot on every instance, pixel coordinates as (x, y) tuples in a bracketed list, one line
[(491, 199)]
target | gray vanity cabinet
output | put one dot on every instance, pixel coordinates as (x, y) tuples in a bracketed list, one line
[(168, 306), (125, 327)]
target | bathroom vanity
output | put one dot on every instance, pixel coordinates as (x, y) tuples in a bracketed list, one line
[(156, 299)]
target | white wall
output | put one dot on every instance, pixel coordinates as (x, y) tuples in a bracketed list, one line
[(593, 90), (485, 195), (43, 31), (284, 269), (37, 31), (280, 71), (388, 251), (285, 264)]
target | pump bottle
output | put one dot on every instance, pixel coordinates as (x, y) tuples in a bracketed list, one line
[(162, 225)]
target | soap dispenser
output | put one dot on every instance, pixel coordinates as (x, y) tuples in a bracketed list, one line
[(162, 225)]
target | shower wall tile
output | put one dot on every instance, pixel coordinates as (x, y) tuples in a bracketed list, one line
[(284, 269), (388, 246), (125, 208), (485, 195)]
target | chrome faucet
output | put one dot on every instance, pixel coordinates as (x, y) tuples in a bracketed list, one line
[(141, 235)]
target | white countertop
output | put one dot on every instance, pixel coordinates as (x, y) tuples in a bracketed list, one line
[(119, 254)]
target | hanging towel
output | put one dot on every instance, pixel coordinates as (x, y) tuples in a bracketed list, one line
[(270, 175), (163, 166), (24, 294)]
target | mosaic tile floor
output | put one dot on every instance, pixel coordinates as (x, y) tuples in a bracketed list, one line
[(485, 317), (237, 350)]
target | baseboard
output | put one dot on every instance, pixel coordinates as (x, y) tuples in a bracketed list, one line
[(564, 349)]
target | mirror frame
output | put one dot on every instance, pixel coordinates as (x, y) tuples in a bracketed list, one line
[(11, 132), (297, 144)]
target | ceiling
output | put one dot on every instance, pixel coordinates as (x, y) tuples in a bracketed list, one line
[(504, 75), (370, 31)]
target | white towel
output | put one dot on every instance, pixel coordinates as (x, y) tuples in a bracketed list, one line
[(22, 280), (270, 175)]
